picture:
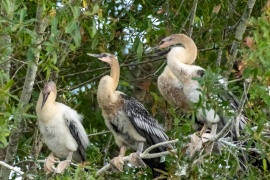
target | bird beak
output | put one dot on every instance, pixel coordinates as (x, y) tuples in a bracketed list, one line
[(45, 97), (95, 55), (161, 53), (153, 49)]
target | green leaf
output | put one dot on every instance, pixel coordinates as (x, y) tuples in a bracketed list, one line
[(140, 51), (70, 27), (94, 30)]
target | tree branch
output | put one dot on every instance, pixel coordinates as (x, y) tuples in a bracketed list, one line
[(144, 155), (191, 25), (41, 24), (237, 118), (239, 147), (11, 168), (240, 30)]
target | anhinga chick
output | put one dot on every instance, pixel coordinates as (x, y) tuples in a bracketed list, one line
[(128, 120), (61, 129), (180, 59)]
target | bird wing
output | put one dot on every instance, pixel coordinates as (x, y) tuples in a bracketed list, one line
[(77, 131), (143, 122), (225, 96)]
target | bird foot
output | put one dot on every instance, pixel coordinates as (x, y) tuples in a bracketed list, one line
[(117, 163), (207, 137), (49, 164), (62, 166), (204, 130), (136, 160)]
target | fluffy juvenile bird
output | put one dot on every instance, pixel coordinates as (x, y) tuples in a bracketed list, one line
[(128, 120), (180, 59), (172, 89), (61, 129)]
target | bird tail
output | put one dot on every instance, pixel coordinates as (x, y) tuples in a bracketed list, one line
[(156, 164)]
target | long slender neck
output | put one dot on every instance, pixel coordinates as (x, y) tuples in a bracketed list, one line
[(190, 53), (115, 73), (107, 86), (48, 109), (180, 70)]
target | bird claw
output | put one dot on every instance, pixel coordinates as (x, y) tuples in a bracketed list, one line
[(62, 166), (49, 164), (117, 164), (136, 160), (207, 137)]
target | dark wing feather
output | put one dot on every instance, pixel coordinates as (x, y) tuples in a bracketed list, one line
[(143, 122), (75, 133), (233, 105)]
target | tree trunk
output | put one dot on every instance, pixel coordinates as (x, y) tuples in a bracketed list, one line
[(27, 89)]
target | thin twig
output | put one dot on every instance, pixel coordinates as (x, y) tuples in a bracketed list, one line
[(237, 118), (247, 84), (191, 25), (144, 155), (98, 133), (159, 144), (122, 65), (12, 168)]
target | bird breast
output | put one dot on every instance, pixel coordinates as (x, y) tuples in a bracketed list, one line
[(172, 90), (57, 136)]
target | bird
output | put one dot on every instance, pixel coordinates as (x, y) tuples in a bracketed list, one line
[(180, 58), (172, 89), (130, 123), (61, 129)]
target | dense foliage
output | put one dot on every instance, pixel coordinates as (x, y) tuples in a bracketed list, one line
[(49, 40)]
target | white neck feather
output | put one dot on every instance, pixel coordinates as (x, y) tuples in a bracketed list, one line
[(184, 72)]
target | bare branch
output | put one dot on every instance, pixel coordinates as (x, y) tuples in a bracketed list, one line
[(240, 30), (159, 144), (144, 155), (237, 118), (11, 168), (194, 8), (98, 133), (40, 26), (239, 147)]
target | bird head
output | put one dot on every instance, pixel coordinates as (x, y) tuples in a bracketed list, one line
[(180, 46), (171, 40), (105, 57), (48, 88)]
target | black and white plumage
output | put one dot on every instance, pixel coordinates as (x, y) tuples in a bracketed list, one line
[(180, 60), (130, 123), (61, 130)]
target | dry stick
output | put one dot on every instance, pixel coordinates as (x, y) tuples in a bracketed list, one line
[(159, 144), (98, 133), (144, 155), (12, 168), (176, 13), (88, 81), (194, 8), (239, 147), (247, 84), (238, 115), (106, 149)]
